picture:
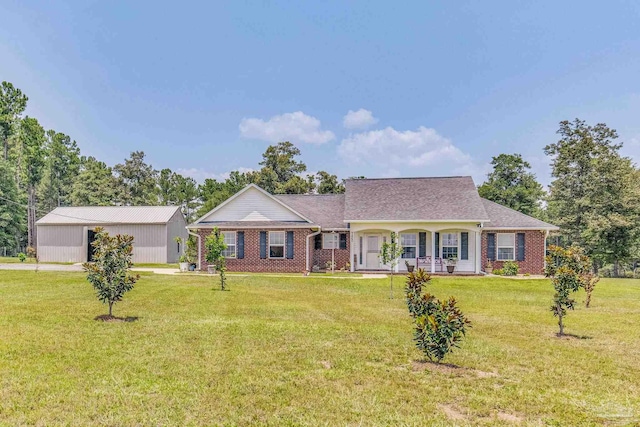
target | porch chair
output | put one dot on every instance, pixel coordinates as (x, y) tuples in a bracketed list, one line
[(425, 263)]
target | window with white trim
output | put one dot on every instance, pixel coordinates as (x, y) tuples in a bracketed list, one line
[(330, 241), (506, 246), (276, 244), (449, 243), (409, 243), (230, 241)]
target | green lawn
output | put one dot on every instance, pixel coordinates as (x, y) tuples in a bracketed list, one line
[(307, 351)]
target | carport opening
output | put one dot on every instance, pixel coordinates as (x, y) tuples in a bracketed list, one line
[(91, 236)]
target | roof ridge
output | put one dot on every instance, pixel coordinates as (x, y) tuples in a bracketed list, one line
[(409, 177)]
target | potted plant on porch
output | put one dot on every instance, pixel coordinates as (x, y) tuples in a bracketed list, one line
[(451, 264), (184, 263), (488, 267), (409, 266)]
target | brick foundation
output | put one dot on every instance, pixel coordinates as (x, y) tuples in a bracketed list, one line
[(534, 251)]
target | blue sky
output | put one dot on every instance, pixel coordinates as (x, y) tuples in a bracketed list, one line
[(362, 88)]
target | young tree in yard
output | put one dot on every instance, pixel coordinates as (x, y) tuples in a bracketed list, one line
[(109, 273), (512, 184), (439, 325), (215, 246), (569, 270), (390, 252)]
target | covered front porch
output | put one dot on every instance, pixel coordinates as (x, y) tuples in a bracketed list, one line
[(426, 246)]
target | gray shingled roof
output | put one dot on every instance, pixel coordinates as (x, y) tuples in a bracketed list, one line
[(109, 215), (413, 199), (326, 210), (504, 217)]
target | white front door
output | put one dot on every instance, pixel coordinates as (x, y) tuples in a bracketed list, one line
[(373, 252)]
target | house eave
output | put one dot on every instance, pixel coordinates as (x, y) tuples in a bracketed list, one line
[(413, 221)]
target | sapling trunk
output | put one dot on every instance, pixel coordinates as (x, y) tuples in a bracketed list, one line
[(391, 295), (110, 308), (560, 325)]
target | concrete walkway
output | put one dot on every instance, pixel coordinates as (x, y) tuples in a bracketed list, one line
[(41, 267)]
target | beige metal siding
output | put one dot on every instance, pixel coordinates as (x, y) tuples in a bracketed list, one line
[(68, 243), (149, 241), (176, 227), (253, 205), (61, 243)]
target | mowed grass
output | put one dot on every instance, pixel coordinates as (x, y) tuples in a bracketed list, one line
[(305, 351)]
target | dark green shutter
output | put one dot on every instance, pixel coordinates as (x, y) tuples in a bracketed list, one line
[(289, 244), (422, 244), (343, 241), (317, 241), (437, 244), (464, 245), (240, 243), (263, 244), (491, 246), (520, 246)]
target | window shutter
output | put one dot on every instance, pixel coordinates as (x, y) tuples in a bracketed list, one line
[(263, 244), (317, 241), (343, 241), (240, 243), (491, 246), (437, 243), (520, 246), (422, 244), (289, 244), (464, 245)]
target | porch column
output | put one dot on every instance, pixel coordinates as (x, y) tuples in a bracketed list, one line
[(433, 252), (478, 251), (352, 251)]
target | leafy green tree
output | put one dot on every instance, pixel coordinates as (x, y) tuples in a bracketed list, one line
[(594, 194), (390, 253), (186, 194), (512, 184), (62, 165), (136, 181), (110, 272), (165, 187), (328, 183), (439, 325), (95, 184), (12, 211), (569, 270), (215, 246), (213, 192), (12, 104), (281, 159), (32, 140)]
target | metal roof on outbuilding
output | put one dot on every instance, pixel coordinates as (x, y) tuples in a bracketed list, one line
[(96, 215)]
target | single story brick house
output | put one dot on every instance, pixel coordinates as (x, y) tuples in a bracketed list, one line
[(434, 218)]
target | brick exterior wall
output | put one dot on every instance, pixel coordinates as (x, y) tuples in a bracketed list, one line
[(252, 261), (320, 257), (534, 251)]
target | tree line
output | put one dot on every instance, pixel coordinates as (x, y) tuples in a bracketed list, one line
[(594, 195), (42, 169)]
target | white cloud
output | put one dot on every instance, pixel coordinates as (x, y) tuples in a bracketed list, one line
[(423, 152), (201, 174), (360, 119), (295, 127)]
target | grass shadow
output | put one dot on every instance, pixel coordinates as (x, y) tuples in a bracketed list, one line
[(107, 318), (574, 336)]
